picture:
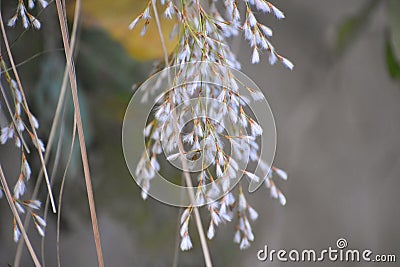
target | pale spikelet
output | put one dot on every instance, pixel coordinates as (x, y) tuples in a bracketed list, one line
[(19, 124), (257, 95), (31, 4), (144, 194), (185, 215), (266, 30), (244, 244), (211, 231), (39, 145), (173, 156), (35, 22), (272, 58), (278, 14), (169, 11), (186, 243), (146, 13), (19, 188), (256, 56), (25, 168), (255, 128), (39, 220), (25, 21), (252, 19), (252, 176), (262, 6), (274, 191), (282, 198), (17, 233), (287, 63), (253, 213), (5, 134), (19, 207), (40, 224), (39, 229), (33, 204), (242, 202), (281, 173), (134, 22), (43, 3), (11, 22), (35, 121)]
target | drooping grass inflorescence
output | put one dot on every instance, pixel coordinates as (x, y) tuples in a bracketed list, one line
[(23, 125), (16, 130), (203, 31)]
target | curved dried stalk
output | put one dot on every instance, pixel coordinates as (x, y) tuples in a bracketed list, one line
[(52, 177), (62, 191), (54, 125), (82, 144)]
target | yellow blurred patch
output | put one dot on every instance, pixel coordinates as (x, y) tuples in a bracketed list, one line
[(115, 16)]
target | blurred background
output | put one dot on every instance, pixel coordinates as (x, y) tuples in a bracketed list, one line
[(337, 119)]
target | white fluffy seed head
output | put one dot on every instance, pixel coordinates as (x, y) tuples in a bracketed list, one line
[(39, 229), (12, 21), (17, 233), (19, 207), (31, 4), (253, 213), (266, 30), (282, 198), (146, 13), (36, 23), (185, 215), (244, 244), (133, 23), (281, 173), (278, 14), (19, 188), (242, 202), (43, 3), (262, 6), (255, 57), (252, 176), (272, 58), (287, 63), (34, 204), (39, 220), (35, 121), (252, 19), (211, 231), (186, 243)]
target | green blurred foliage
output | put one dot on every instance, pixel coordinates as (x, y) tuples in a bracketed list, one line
[(391, 61), (393, 41), (351, 28)]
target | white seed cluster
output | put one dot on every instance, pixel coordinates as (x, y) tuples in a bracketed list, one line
[(15, 130), (27, 18), (203, 33)]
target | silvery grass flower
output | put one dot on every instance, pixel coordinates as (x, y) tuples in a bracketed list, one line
[(203, 35), (26, 17), (14, 131)]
